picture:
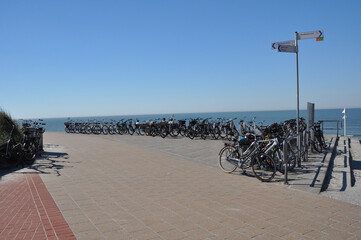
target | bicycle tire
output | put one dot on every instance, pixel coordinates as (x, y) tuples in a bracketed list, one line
[(204, 133), (215, 133), (163, 132), (29, 152), (263, 167), (111, 130), (88, 130), (174, 131), (182, 130), (191, 133), (226, 164), (322, 141), (278, 160), (229, 135), (105, 130), (223, 133), (316, 146)]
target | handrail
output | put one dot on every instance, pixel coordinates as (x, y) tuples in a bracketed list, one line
[(337, 124)]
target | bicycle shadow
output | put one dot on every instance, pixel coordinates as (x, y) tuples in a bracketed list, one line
[(51, 163), (47, 162)]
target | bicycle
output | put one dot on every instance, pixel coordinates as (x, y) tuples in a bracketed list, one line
[(11, 152), (243, 155)]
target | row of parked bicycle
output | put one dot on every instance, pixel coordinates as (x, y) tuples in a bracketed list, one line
[(14, 153), (192, 128), (219, 128)]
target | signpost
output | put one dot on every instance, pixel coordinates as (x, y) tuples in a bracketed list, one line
[(292, 46), (287, 48), (312, 34), (344, 119), (287, 43)]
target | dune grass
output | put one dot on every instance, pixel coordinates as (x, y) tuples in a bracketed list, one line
[(6, 124)]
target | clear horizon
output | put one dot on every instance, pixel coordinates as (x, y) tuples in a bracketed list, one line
[(111, 58), (179, 113)]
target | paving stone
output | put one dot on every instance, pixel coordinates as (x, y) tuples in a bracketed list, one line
[(130, 187)]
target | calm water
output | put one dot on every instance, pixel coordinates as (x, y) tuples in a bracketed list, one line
[(353, 118)]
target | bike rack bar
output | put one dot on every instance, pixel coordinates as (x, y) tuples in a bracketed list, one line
[(285, 157), (306, 134)]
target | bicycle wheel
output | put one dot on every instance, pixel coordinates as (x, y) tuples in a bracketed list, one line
[(223, 132), (182, 130), (130, 130), (228, 157), (163, 132), (230, 135), (174, 131), (29, 153), (88, 130), (111, 130), (278, 160), (191, 133), (142, 131), (263, 167), (204, 133), (317, 145), (105, 130), (216, 133), (322, 141)]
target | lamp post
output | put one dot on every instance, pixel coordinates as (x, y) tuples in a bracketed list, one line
[(344, 121)]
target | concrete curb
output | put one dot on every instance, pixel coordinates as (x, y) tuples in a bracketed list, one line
[(351, 165), (326, 169)]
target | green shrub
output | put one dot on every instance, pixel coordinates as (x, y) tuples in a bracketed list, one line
[(6, 124)]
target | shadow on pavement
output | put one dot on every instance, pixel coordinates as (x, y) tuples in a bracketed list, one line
[(46, 163), (50, 163)]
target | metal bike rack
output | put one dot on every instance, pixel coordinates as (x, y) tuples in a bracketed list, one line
[(306, 135), (285, 153)]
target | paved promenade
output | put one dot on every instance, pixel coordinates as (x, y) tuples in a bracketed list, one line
[(117, 187)]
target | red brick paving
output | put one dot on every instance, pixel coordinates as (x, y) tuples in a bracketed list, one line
[(27, 210)]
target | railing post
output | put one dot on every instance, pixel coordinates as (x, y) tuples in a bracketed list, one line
[(337, 128)]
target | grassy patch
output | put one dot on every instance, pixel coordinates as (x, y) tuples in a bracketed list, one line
[(6, 124)]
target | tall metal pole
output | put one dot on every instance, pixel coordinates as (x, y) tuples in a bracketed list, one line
[(344, 119), (298, 103)]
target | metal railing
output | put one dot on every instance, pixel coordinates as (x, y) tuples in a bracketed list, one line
[(338, 123)]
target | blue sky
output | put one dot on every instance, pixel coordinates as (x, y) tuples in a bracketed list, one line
[(87, 58)]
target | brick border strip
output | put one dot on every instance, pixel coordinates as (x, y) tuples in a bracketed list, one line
[(27, 210), (54, 223)]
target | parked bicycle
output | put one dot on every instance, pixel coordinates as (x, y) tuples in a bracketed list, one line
[(245, 154)]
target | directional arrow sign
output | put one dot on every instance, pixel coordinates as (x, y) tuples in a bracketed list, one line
[(288, 43), (286, 48), (313, 34)]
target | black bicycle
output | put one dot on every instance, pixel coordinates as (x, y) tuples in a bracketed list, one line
[(11, 152)]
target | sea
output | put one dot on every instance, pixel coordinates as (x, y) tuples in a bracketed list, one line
[(353, 119)]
